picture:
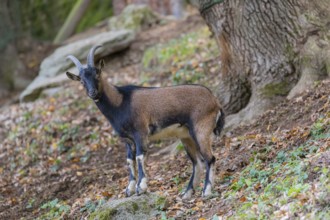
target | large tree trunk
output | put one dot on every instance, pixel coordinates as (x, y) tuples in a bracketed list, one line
[(260, 43)]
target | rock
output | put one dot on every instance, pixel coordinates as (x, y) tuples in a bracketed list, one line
[(40, 83), (56, 63), (135, 17), (135, 207)]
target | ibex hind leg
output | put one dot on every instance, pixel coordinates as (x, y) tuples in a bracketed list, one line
[(193, 153), (130, 190), (141, 185), (204, 139)]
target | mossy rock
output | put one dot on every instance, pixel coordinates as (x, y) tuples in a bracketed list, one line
[(135, 17), (136, 207)]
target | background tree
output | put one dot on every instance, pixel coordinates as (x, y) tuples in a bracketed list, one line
[(27, 29), (267, 50), (72, 21)]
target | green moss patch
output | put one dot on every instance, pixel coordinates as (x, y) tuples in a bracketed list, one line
[(276, 89), (292, 185)]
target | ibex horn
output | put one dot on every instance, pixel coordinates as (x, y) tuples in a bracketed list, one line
[(90, 57), (76, 62)]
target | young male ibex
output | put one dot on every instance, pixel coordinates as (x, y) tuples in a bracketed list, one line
[(141, 114)]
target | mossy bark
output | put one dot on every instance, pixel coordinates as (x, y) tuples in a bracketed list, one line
[(260, 45)]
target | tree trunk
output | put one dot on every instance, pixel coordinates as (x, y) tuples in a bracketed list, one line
[(11, 67), (72, 21), (259, 43)]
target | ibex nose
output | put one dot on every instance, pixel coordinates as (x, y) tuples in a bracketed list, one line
[(92, 93)]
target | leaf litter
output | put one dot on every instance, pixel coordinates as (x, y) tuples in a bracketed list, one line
[(59, 158)]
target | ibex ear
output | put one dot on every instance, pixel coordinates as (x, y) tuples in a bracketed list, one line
[(101, 64), (73, 76)]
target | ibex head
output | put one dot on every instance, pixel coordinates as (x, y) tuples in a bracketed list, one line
[(90, 75)]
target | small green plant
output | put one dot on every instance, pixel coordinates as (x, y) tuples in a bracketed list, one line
[(180, 147), (177, 180), (161, 203), (91, 206), (30, 203), (283, 182), (56, 209), (320, 127)]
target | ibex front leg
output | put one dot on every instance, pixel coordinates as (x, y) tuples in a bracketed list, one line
[(141, 185), (130, 190)]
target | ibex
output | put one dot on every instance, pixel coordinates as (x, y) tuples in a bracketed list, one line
[(141, 114)]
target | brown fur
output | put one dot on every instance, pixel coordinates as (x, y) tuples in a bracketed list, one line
[(111, 91), (188, 112)]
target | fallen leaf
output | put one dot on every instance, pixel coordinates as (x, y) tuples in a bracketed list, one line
[(243, 199), (106, 194)]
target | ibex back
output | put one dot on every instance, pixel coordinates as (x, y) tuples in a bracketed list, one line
[(142, 114)]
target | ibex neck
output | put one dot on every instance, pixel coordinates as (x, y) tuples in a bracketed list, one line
[(110, 99), (111, 92)]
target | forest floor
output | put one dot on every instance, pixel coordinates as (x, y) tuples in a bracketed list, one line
[(60, 159)]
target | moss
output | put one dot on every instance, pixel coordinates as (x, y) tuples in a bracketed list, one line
[(161, 203), (289, 52), (135, 207), (134, 17), (276, 89), (105, 214), (180, 50), (127, 208)]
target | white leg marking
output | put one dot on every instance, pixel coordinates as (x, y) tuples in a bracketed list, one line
[(131, 166), (131, 187), (141, 159), (143, 184), (208, 190), (187, 195), (211, 174), (218, 116)]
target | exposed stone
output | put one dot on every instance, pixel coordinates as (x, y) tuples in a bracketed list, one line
[(135, 17), (57, 63), (135, 207), (40, 83)]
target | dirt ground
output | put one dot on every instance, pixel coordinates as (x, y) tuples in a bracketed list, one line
[(31, 178)]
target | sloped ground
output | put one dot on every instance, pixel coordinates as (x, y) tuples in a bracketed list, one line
[(59, 159)]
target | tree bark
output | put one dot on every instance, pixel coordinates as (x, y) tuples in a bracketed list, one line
[(72, 21), (11, 67), (259, 43)]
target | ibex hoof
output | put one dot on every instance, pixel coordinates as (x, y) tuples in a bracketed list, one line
[(207, 191), (142, 187), (130, 190), (188, 194)]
